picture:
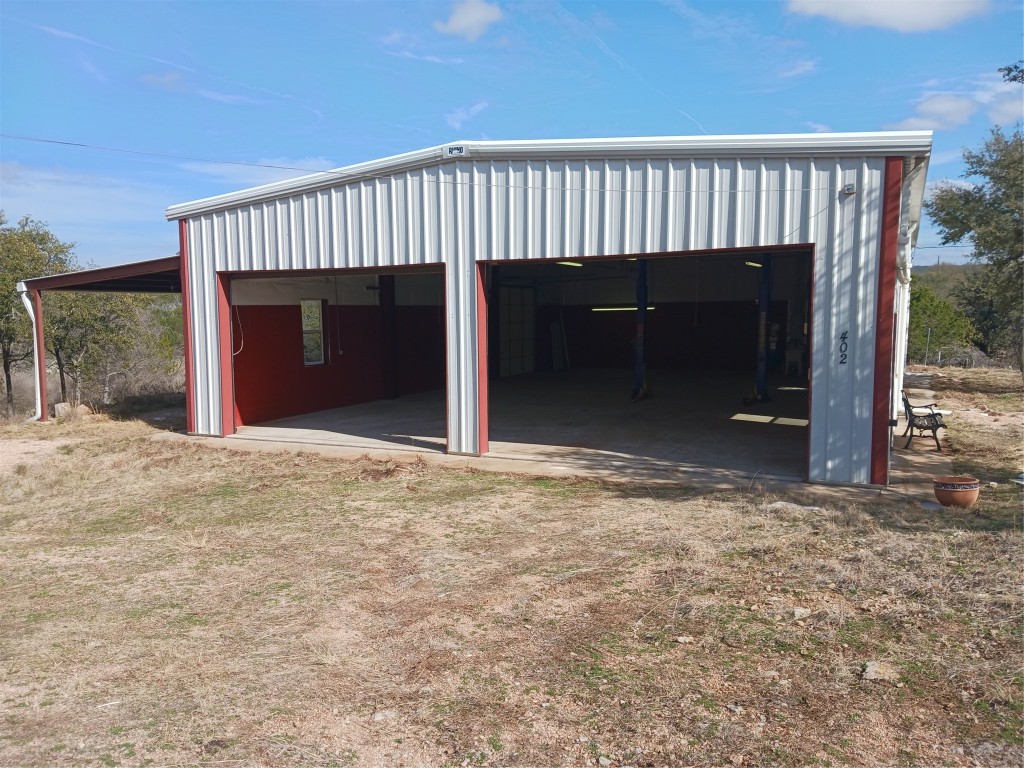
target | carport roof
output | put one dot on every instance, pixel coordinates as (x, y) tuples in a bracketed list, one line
[(152, 276)]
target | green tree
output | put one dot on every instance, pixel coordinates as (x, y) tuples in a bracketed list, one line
[(935, 326), (996, 313), (989, 214), (26, 250), (88, 333)]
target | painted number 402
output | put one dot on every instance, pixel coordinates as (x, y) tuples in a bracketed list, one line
[(843, 347)]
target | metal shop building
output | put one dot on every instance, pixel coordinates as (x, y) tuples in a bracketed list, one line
[(603, 294)]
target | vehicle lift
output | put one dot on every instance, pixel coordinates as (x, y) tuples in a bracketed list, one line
[(639, 363), (764, 300)]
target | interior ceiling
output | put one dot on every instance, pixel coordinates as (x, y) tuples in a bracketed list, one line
[(513, 273)]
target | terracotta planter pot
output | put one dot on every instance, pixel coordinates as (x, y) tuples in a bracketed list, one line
[(957, 491)]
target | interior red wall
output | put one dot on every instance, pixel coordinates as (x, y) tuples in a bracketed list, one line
[(272, 381)]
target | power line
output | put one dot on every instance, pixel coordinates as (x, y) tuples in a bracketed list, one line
[(154, 154), (453, 182)]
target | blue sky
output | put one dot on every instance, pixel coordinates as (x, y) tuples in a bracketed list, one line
[(318, 85)]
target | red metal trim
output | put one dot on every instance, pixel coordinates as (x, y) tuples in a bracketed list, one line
[(788, 248), (407, 269), (44, 403), (87, 279), (880, 429), (482, 383), (447, 377), (186, 321), (224, 356)]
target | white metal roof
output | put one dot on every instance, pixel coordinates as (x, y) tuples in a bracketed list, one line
[(904, 143)]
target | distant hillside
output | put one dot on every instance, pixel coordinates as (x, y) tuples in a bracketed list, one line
[(943, 278)]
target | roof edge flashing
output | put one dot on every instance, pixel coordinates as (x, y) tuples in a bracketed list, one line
[(72, 280), (908, 143)]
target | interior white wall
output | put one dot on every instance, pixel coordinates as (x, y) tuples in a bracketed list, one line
[(342, 290)]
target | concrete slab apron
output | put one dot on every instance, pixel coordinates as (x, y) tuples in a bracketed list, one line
[(583, 423), (680, 443)]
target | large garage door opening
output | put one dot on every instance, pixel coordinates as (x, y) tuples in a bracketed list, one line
[(340, 358), (713, 372)]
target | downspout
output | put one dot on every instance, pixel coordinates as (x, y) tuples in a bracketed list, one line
[(907, 238), (40, 369)]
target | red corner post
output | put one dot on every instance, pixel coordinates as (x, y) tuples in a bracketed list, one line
[(44, 404), (186, 319), (884, 320), (227, 379)]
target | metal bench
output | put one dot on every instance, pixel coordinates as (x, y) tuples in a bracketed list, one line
[(923, 418)]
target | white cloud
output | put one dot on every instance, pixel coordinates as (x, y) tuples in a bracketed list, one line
[(942, 158), (769, 56), (457, 117), (111, 219), (167, 81), (940, 111), (175, 82), (1007, 110), (1001, 101), (804, 67), (958, 103), (260, 172), (899, 15), (224, 98), (429, 58), (818, 127), (469, 19), (65, 35), (395, 38), (90, 68)]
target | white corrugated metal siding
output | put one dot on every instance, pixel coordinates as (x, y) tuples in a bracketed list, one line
[(507, 208)]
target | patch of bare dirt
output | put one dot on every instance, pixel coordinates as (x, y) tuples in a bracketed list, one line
[(16, 454)]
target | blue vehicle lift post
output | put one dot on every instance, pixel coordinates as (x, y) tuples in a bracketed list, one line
[(639, 363), (764, 300)]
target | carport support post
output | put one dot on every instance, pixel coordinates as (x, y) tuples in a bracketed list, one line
[(40, 343), (639, 363), (764, 299)]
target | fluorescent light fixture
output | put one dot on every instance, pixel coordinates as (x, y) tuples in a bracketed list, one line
[(752, 264), (792, 389), (618, 309), (569, 263), (765, 419)]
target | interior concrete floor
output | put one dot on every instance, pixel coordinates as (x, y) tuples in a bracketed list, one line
[(584, 420)]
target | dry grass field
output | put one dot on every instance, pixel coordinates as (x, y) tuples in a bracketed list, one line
[(165, 603)]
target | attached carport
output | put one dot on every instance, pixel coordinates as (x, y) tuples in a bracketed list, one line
[(152, 276)]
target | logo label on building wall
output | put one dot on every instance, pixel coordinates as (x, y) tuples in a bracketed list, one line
[(456, 150)]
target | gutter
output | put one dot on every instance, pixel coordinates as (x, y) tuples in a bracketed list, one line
[(911, 218), (23, 292)]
